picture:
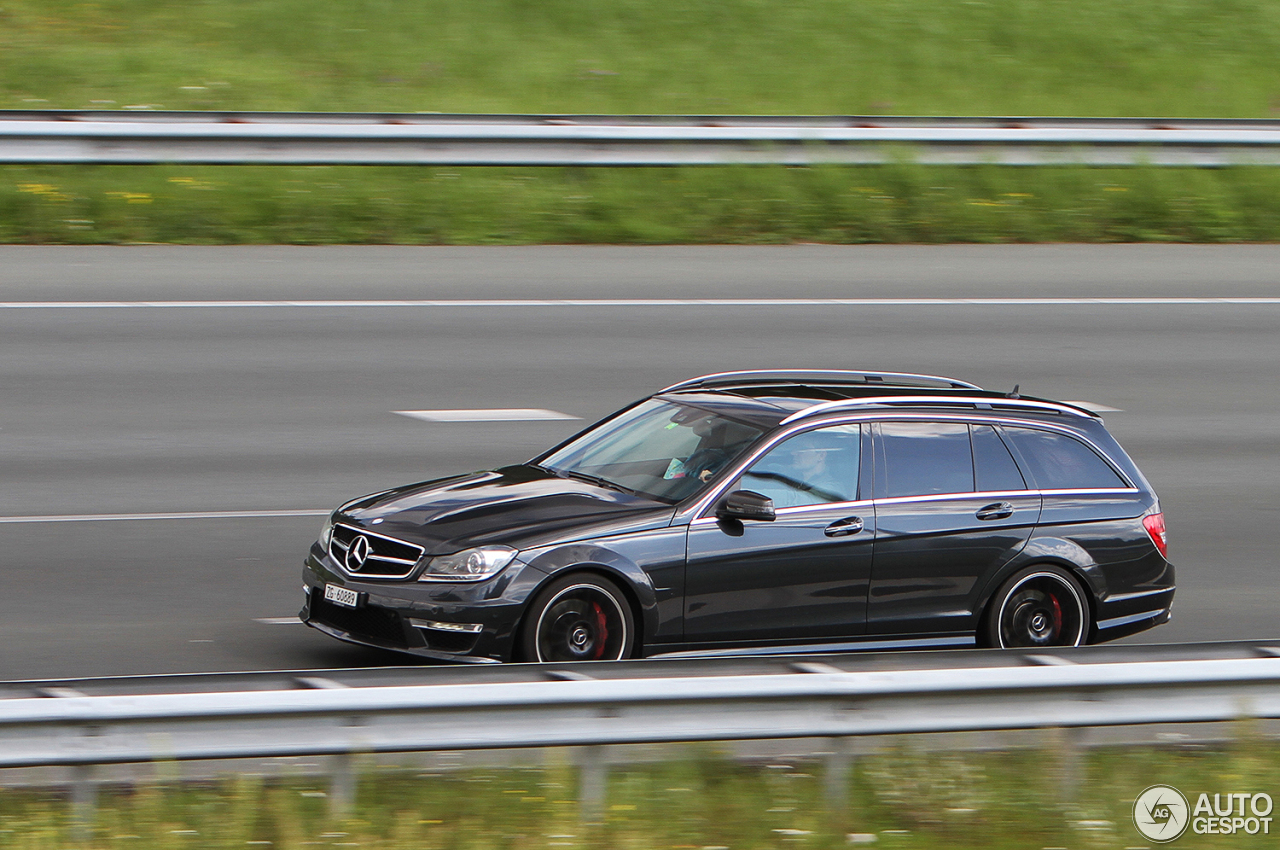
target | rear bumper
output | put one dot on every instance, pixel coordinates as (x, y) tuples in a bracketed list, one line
[(1125, 614)]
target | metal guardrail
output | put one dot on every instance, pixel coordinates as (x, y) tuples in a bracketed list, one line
[(138, 137), (817, 700)]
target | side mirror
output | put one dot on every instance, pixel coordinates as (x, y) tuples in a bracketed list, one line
[(746, 504)]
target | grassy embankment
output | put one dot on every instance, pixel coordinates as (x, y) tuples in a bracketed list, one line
[(976, 57), (898, 800)]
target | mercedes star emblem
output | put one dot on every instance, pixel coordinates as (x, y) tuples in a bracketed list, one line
[(358, 554)]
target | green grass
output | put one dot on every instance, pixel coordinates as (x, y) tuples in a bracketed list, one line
[(899, 203), (906, 798), (960, 57), (926, 57)]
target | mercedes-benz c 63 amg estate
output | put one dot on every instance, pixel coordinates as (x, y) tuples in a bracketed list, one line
[(763, 512)]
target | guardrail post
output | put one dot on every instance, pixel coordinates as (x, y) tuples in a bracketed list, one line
[(342, 786), (835, 780), (593, 783), (84, 800), (1070, 744)]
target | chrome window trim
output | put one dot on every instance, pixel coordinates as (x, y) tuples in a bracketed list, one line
[(1001, 494), (786, 374), (977, 417), (950, 497)]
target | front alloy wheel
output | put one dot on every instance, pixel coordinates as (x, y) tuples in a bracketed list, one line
[(1041, 607), (579, 618)]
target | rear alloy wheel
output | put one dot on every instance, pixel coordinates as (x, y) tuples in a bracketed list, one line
[(578, 618), (1038, 607)]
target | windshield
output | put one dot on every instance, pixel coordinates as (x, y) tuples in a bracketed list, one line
[(658, 449)]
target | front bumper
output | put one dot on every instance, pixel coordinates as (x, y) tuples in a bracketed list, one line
[(450, 621)]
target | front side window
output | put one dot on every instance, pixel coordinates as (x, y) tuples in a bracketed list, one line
[(812, 468), (1060, 462), (658, 449), (926, 458)]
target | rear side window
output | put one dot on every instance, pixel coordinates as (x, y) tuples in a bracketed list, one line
[(993, 466), (1060, 462), (926, 458)]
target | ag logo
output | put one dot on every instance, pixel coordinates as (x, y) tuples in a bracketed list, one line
[(1161, 813)]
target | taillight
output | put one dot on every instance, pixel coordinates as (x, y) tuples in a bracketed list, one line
[(1154, 524)]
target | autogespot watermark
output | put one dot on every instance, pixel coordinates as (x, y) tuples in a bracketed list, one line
[(1161, 813)]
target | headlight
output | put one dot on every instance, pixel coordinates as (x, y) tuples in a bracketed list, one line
[(469, 564), (326, 534)]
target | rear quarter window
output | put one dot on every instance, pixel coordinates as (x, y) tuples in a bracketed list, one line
[(1060, 462)]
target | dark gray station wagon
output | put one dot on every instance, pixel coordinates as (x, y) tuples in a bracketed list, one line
[(763, 512)]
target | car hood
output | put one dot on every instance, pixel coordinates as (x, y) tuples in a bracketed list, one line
[(517, 506)]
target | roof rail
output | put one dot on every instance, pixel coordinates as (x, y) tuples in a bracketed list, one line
[(804, 376), (967, 401)]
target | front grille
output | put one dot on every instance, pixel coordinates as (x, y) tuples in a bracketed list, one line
[(372, 623), (384, 557)]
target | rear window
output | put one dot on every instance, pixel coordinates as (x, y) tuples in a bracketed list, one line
[(1060, 462)]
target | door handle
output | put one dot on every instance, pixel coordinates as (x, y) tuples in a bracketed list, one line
[(997, 510), (844, 527)]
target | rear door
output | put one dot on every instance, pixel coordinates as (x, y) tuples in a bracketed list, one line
[(951, 508)]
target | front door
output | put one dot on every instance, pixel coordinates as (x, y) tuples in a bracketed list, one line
[(802, 576)]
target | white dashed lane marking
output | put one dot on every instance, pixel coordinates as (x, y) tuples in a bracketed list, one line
[(496, 414)]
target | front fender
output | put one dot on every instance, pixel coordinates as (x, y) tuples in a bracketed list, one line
[(628, 575)]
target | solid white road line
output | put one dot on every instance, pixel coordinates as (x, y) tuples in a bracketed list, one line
[(188, 515), (656, 302), (496, 414), (279, 621)]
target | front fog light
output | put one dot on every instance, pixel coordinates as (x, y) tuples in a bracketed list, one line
[(469, 564)]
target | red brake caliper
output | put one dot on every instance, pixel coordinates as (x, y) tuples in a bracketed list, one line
[(602, 630), (1057, 615)]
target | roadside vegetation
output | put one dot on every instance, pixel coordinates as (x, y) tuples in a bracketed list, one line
[(900, 799), (897, 203), (1197, 58)]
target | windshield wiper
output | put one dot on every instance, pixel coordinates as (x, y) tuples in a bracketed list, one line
[(595, 479)]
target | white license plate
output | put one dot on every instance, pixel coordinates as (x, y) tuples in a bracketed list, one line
[(341, 596)]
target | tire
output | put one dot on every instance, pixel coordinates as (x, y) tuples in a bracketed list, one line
[(1038, 607), (580, 617)]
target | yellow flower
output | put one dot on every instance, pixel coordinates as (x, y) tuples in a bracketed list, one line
[(132, 197)]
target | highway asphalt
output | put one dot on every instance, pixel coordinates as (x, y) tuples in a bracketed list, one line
[(244, 409)]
